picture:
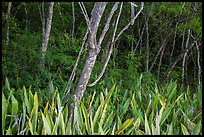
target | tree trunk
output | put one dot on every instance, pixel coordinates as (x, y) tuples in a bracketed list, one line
[(147, 46), (73, 23), (97, 13), (94, 49), (184, 59), (8, 24), (47, 33)]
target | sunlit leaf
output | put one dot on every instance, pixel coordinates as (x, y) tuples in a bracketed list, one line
[(125, 125), (197, 128), (184, 130)]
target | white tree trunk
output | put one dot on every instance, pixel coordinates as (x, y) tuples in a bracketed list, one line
[(47, 33)]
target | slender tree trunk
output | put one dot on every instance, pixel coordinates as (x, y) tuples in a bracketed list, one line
[(174, 42), (8, 22), (26, 12), (47, 33), (160, 49), (97, 13), (73, 23), (199, 67), (60, 13), (147, 46), (160, 61), (176, 61), (71, 78), (184, 59)]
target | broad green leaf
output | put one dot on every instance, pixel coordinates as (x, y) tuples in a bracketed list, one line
[(103, 116), (137, 122), (92, 99), (30, 127), (27, 103), (68, 129), (7, 84), (85, 114), (125, 125), (34, 112), (46, 108), (49, 120), (100, 130), (14, 105), (108, 121), (157, 130), (177, 100), (96, 116), (23, 116), (40, 125), (61, 124), (101, 97), (165, 115), (31, 99), (154, 132), (147, 129), (184, 130), (58, 103), (155, 102), (135, 125), (197, 128), (140, 132), (113, 129), (170, 130), (8, 132), (65, 113), (46, 125), (4, 111)]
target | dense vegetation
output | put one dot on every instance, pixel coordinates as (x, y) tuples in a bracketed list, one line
[(152, 84)]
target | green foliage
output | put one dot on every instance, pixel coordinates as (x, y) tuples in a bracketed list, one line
[(105, 112)]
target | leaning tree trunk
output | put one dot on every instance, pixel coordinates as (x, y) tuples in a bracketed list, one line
[(46, 33), (97, 13)]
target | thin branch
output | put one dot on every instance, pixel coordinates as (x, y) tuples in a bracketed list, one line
[(71, 78), (177, 59), (131, 22), (106, 28), (157, 55), (83, 9), (111, 49), (113, 42)]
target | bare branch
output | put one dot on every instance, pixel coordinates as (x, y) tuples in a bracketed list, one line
[(83, 9), (71, 78), (132, 22), (108, 23), (111, 49)]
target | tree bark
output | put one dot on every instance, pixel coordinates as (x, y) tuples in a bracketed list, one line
[(47, 33), (97, 13), (184, 59)]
